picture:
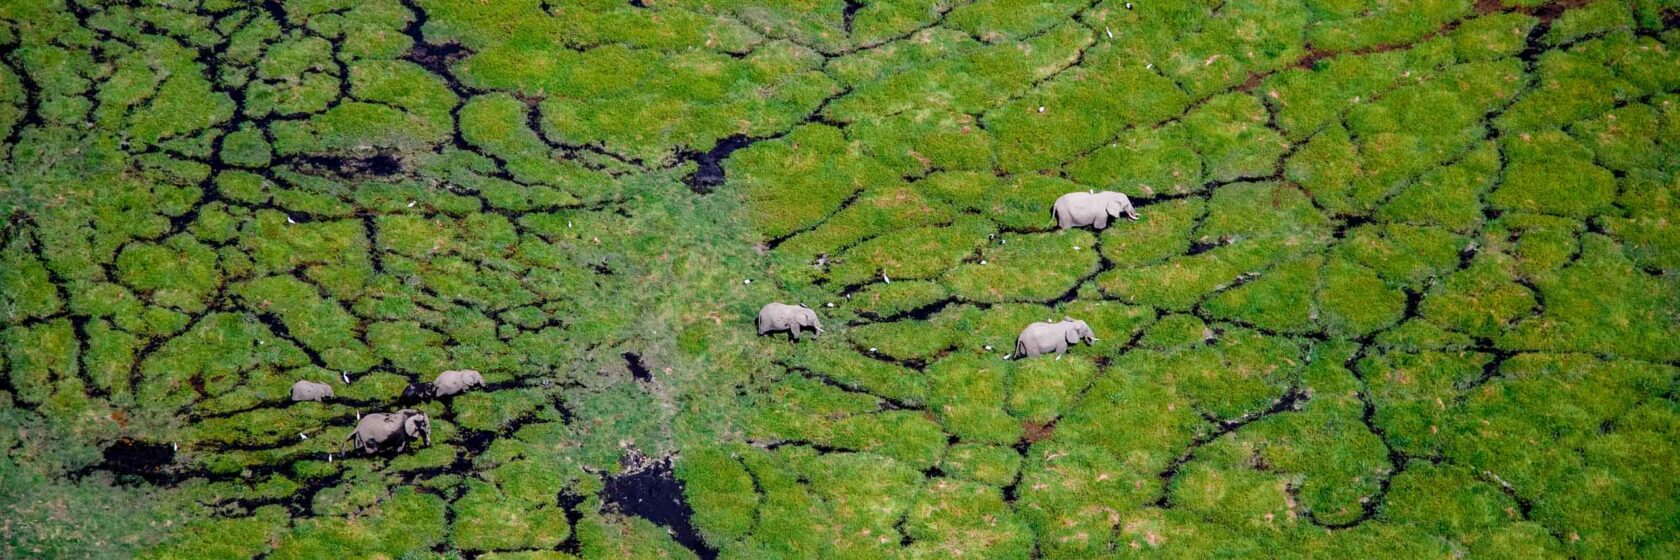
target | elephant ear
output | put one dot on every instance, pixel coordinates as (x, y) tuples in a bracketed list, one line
[(412, 424), (1114, 208), (1071, 334)]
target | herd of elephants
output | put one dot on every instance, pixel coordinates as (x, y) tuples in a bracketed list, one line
[(395, 430)]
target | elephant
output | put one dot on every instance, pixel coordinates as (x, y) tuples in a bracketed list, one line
[(456, 381), (1091, 209), (1041, 337), (416, 392), (791, 318), (380, 429), (305, 390)]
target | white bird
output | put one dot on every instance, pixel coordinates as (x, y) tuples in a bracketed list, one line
[(988, 348), (831, 304), (1058, 357), (411, 203), (568, 224), (346, 376), (1150, 66), (174, 447), (982, 261), (1076, 247), (872, 349), (358, 415), (1041, 108), (884, 277), (1110, 32), (302, 435), (1128, 5), (329, 458), (747, 281), (289, 220)]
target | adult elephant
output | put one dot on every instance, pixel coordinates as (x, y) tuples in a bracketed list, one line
[(1091, 209), (1043, 338), (380, 430), (456, 381), (791, 318), (306, 390)]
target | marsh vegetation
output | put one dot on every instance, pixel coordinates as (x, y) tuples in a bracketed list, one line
[(1403, 281)]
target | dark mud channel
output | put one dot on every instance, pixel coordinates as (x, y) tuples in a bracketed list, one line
[(656, 495), (128, 458), (710, 175)]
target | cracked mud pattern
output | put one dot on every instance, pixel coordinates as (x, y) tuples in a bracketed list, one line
[(1404, 282)]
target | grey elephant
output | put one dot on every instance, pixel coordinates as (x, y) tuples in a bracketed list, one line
[(1091, 209), (791, 318), (379, 430), (305, 390), (1043, 338), (456, 381)]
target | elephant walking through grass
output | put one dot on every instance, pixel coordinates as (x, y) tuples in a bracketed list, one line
[(456, 381), (305, 390), (791, 318), (379, 430), (1091, 209), (1043, 338)]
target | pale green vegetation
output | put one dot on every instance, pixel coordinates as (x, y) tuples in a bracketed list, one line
[(1404, 282)]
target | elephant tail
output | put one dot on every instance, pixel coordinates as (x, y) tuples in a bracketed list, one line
[(341, 446)]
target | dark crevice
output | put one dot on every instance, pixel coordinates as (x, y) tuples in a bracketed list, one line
[(709, 173), (848, 14), (1292, 399), (652, 492), (638, 370)]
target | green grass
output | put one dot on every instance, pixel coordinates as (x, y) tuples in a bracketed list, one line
[(1403, 282)]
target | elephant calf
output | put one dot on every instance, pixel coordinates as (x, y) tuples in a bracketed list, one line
[(1043, 338), (1091, 209), (456, 381), (791, 318), (380, 430), (305, 390), (417, 392)]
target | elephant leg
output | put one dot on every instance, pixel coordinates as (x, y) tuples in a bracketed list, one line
[(1101, 222), (793, 332)]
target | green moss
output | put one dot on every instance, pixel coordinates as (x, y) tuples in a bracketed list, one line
[(1551, 173), (486, 520), (967, 394), (1601, 304), (26, 291), (1143, 163), (1039, 267), (806, 176), (911, 253), (986, 464)]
